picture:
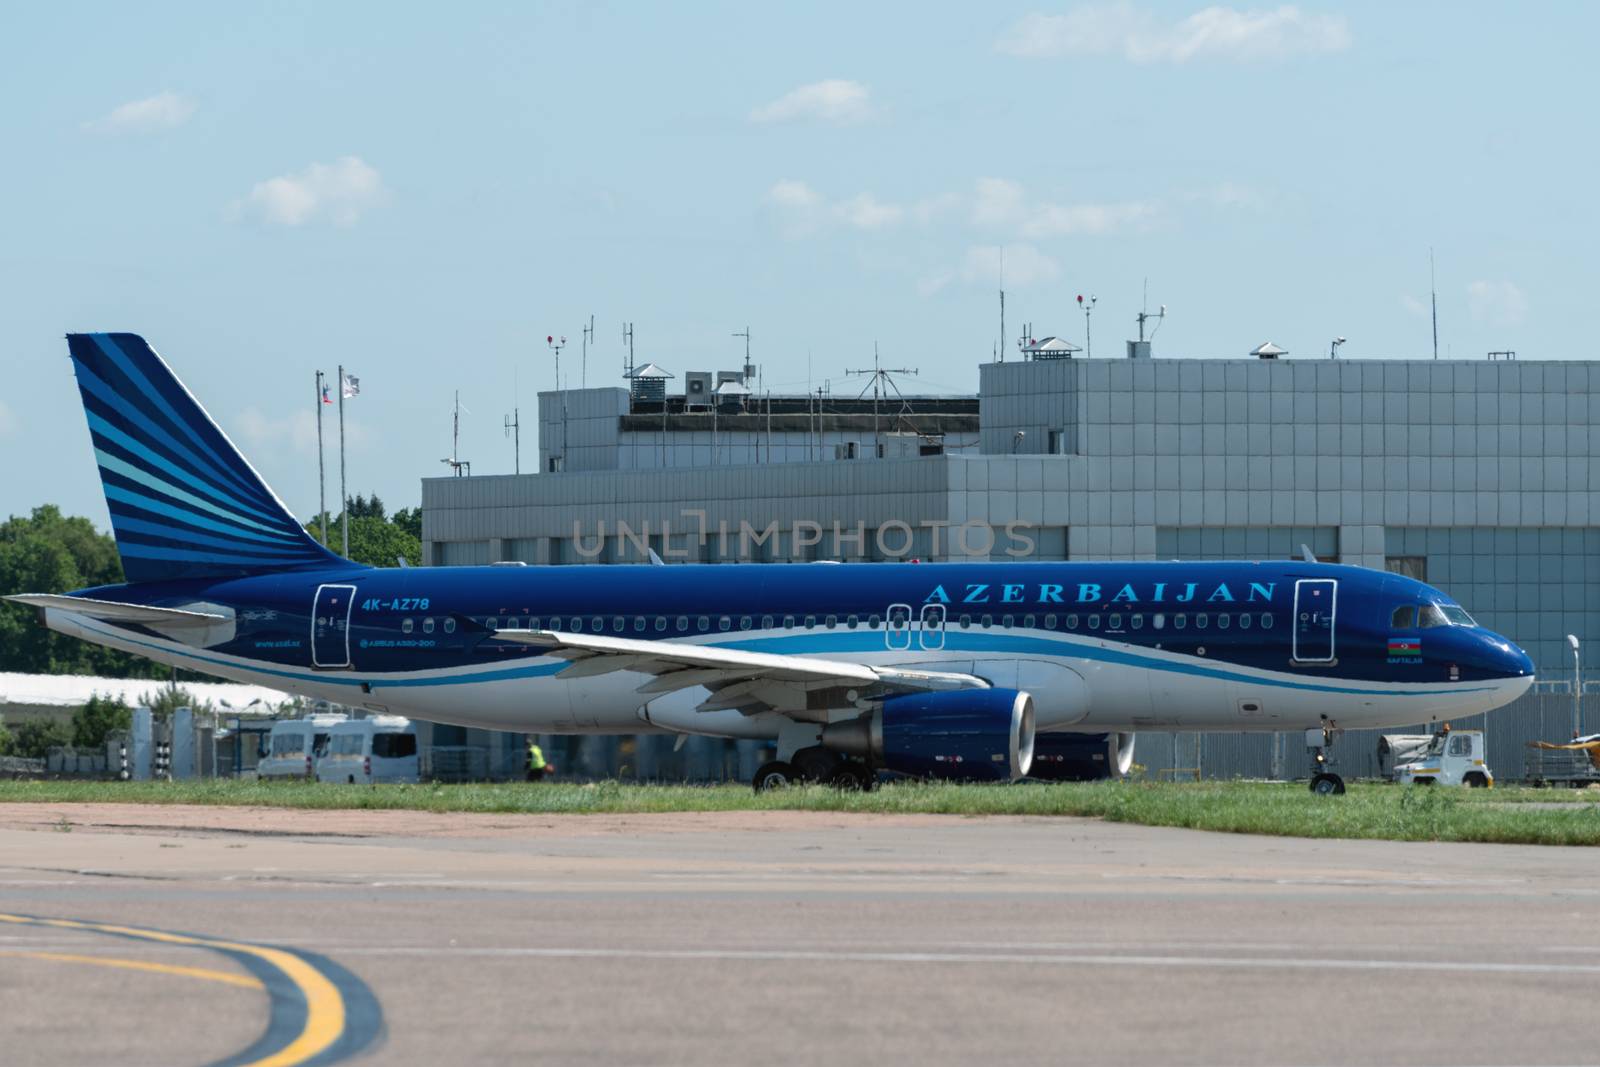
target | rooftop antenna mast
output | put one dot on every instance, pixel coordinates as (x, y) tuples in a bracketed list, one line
[(627, 339), (588, 339), (1433, 291), (880, 381), (1144, 316), (556, 347), (457, 465), (1002, 346), (513, 424), (749, 368), (1088, 339)]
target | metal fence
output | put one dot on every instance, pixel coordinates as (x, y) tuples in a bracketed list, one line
[(1545, 714)]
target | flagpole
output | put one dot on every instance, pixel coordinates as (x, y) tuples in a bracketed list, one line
[(344, 496), (322, 491)]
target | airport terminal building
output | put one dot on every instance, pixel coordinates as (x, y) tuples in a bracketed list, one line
[(1479, 477)]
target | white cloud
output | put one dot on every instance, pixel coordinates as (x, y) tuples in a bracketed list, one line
[(790, 193), (8, 421), (1000, 203), (339, 191), (1025, 265), (1414, 305), (805, 210), (997, 202), (866, 212), (1142, 37), (1499, 303), (1061, 220), (160, 112), (834, 101), (296, 431)]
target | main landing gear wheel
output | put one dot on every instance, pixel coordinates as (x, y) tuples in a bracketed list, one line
[(775, 774), (851, 777), (1327, 784)]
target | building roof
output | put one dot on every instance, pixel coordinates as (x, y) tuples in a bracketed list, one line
[(1268, 350), (1051, 346), (651, 370), (72, 690), (731, 388)]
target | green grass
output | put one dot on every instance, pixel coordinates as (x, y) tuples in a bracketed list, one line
[(1367, 811)]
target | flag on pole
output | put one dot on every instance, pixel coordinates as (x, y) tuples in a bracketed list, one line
[(327, 391), (350, 387)]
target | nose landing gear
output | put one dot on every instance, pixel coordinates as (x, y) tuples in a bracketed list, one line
[(1324, 783)]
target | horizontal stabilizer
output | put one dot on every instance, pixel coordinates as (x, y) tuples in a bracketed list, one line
[(111, 611)]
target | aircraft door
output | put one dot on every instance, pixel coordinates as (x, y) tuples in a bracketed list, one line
[(1315, 609), (330, 625), (897, 627), (931, 634)]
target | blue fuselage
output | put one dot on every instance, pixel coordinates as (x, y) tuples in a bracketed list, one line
[(1168, 644)]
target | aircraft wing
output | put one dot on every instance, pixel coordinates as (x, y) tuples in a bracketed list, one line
[(749, 681), (112, 611)]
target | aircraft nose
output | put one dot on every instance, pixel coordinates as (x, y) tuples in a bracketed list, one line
[(1509, 659)]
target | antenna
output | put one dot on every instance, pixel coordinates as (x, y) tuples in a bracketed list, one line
[(627, 339), (749, 368), (588, 339), (880, 381), (514, 431), (1002, 346), (1027, 337), (1088, 339), (1145, 316), (456, 464), (1433, 291)]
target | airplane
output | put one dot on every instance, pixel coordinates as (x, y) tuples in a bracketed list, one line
[(965, 671)]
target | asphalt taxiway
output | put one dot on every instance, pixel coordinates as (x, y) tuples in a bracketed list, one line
[(184, 935)]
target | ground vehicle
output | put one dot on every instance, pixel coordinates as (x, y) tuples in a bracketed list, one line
[(1456, 757), (294, 746), (382, 748), (1574, 763)]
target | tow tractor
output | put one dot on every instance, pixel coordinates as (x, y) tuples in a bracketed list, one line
[(1454, 757)]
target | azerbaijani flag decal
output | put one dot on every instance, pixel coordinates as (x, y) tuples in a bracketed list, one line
[(1405, 647)]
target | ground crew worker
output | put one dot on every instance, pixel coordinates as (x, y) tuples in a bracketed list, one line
[(537, 767)]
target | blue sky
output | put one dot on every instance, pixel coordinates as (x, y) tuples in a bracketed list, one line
[(425, 195)]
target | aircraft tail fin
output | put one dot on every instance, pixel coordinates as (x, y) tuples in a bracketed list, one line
[(184, 502)]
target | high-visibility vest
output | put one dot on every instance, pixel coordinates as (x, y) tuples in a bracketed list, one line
[(535, 758)]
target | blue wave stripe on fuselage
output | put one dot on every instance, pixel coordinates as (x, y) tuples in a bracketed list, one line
[(150, 391), (1016, 644), (96, 387), (148, 455), (117, 494), (159, 485), (498, 674)]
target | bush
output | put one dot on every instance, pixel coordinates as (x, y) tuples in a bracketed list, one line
[(35, 738), (7, 742), (101, 716)]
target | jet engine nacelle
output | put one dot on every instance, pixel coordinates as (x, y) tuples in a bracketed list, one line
[(966, 735), (1081, 757)]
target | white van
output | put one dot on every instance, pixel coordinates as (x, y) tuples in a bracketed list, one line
[(294, 746), (382, 748)]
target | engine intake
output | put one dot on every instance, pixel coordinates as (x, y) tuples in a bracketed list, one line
[(1081, 757), (967, 735)]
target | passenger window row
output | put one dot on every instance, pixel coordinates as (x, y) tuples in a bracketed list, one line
[(641, 624), (409, 625), (1116, 622)]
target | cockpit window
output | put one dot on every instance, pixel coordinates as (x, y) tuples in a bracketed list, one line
[(1457, 615), (1405, 617), (1429, 616)]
